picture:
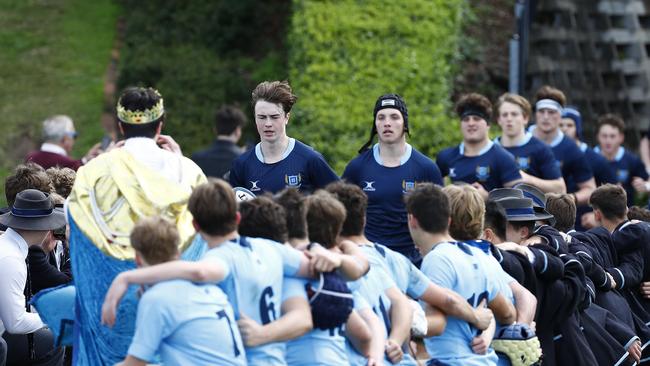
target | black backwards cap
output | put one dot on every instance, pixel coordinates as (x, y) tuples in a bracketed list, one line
[(387, 101)]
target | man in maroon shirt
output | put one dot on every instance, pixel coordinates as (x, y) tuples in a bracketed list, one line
[(59, 135)]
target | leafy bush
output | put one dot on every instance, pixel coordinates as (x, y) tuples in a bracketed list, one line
[(200, 55), (344, 54)]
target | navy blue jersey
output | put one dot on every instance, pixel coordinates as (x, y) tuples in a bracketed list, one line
[(603, 173), (572, 161), (534, 157), (492, 167), (626, 166), (301, 167), (385, 188)]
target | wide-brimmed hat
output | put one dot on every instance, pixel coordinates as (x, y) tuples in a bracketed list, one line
[(539, 201), (33, 210), (498, 194), (518, 209)]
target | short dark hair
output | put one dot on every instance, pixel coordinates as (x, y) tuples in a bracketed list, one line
[(140, 99), (496, 219), (325, 217), (156, 239), (276, 92), (227, 119), (638, 213), (430, 206), (527, 224), (611, 120), (261, 217), (355, 202), (295, 210), (549, 92), (214, 207), (611, 200), (26, 176), (563, 207)]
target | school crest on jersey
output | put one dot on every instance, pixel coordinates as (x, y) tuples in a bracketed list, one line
[(452, 172), (294, 181), (523, 162), (482, 173), (622, 175), (407, 186)]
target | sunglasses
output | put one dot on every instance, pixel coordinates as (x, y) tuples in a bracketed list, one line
[(72, 134)]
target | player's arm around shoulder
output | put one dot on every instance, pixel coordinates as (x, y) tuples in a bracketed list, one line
[(202, 271)]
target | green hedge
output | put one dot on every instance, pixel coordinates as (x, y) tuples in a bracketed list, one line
[(200, 55), (53, 58), (344, 54)]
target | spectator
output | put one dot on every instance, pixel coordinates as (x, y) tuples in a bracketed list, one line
[(62, 180), (30, 222), (59, 136), (217, 160)]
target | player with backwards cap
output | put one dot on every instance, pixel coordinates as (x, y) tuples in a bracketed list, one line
[(388, 170)]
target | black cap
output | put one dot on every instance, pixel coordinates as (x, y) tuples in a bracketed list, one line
[(387, 101)]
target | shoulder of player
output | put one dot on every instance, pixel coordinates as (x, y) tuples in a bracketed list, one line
[(448, 153), (361, 159), (420, 159)]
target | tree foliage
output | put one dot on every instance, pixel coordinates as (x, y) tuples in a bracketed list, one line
[(344, 54)]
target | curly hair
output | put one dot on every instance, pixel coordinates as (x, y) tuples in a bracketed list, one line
[(62, 180), (27, 176)]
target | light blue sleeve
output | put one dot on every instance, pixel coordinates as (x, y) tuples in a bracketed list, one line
[(152, 325), (291, 259), (293, 287), (219, 257), (417, 281), (359, 302), (439, 269)]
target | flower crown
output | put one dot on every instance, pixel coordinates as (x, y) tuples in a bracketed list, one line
[(141, 117)]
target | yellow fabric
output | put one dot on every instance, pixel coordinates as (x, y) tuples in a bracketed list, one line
[(116, 176)]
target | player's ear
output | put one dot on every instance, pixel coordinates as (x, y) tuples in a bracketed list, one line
[(412, 221), (238, 218)]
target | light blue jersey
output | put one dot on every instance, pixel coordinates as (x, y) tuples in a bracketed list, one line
[(186, 324), (372, 288), (254, 271), (318, 347), (461, 268), (408, 278)]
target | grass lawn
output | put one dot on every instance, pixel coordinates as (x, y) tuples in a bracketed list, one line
[(53, 57)]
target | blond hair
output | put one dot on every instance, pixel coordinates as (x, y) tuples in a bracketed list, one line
[(156, 239), (515, 99), (467, 211)]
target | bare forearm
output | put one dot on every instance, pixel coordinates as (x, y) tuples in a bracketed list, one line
[(353, 267), (450, 303), (584, 191), (526, 304), (401, 317), (376, 346), (291, 325), (546, 185), (191, 271)]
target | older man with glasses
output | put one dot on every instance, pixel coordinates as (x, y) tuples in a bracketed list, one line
[(59, 137)]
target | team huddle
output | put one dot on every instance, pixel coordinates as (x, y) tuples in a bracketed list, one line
[(528, 256)]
